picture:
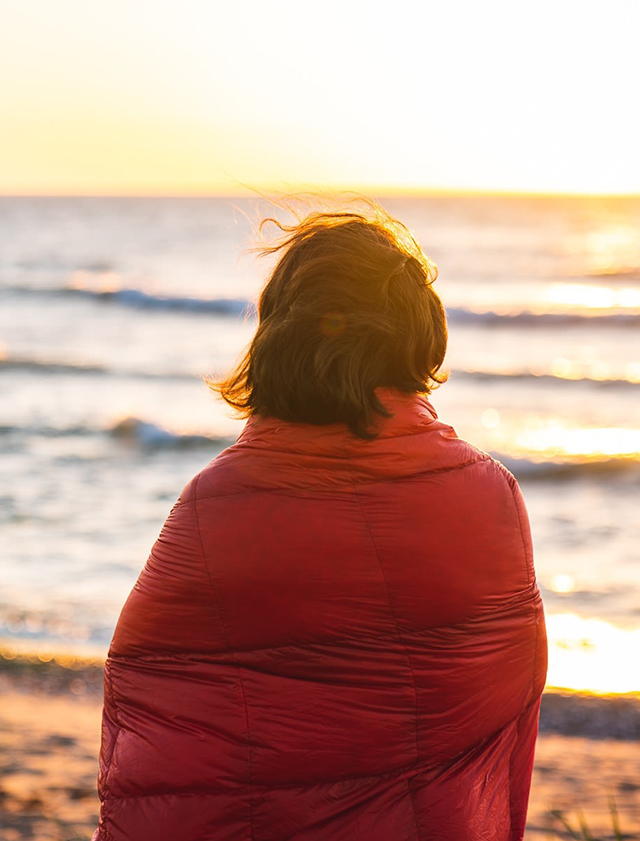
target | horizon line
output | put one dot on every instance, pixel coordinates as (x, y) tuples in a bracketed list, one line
[(386, 192)]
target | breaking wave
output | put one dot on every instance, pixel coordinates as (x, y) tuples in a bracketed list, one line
[(148, 434), (543, 319), (46, 367), (548, 378), (42, 366), (532, 468), (139, 299), (131, 430)]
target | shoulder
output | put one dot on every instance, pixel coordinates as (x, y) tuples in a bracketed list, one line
[(493, 469), (503, 480), (458, 453), (501, 473), (215, 479), (505, 477), (189, 493), (492, 477)]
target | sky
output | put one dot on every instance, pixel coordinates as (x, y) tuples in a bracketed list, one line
[(208, 97)]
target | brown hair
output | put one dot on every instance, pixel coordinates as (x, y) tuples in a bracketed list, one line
[(348, 307)]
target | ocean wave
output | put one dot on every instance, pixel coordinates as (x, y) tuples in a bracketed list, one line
[(543, 319), (139, 299), (152, 435), (525, 468), (629, 273), (45, 367), (553, 379), (591, 716), (47, 431), (42, 366), (131, 430)]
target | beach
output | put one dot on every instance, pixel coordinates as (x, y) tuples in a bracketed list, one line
[(588, 751)]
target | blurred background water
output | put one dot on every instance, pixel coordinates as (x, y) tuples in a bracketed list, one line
[(112, 310)]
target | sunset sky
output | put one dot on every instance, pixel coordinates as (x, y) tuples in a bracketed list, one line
[(200, 96)]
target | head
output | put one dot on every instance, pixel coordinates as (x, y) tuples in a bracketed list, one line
[(349, 306)]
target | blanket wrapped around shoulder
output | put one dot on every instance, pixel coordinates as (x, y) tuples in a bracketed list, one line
[(333, 639)]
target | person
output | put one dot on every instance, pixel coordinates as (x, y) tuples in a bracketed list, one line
[(338, 635)]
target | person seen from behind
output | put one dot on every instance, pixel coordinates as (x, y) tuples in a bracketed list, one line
[(338, 635)]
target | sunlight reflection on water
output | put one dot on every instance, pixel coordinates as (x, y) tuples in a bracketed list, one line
[(592, 655)]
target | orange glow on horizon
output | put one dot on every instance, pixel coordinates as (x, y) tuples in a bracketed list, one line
[(155, 99)]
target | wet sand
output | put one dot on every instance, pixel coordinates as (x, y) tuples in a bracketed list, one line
[(588, 751)]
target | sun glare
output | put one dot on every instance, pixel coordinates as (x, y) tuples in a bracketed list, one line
[(596, 369), (613, 249), (554, 439), (590, 297), (562, 583), (592, 655)]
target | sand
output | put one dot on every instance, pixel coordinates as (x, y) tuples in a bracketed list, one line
[(50, 733)]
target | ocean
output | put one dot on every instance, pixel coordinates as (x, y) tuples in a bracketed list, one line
[(113, 309)]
